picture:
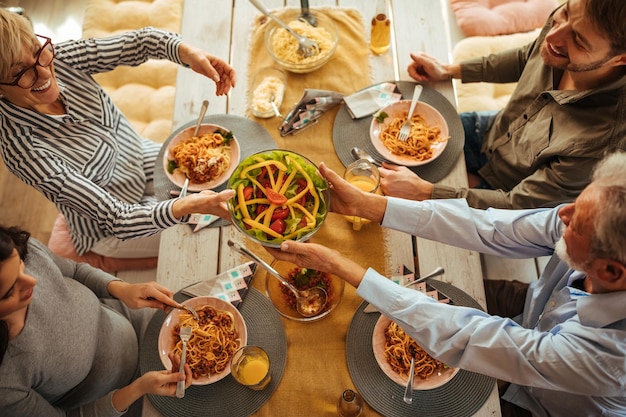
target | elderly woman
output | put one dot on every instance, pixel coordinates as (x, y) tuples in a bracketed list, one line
[(69, 335), (62, 134)]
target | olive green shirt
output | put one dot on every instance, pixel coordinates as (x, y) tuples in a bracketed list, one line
[(543, 145)]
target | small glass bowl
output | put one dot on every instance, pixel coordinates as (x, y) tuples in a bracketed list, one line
[(268, 86), (323, 22)]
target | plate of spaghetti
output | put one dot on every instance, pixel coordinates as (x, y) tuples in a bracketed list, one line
[(392, 350), (220, 331), (427, 140), (280, 195), (207, 159), (284, 300)]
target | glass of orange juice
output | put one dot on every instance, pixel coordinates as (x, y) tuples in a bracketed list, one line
[(250, 366), (364, 175)]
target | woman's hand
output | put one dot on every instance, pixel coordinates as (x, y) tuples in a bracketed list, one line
[(400, 181), (154, 382), (425, 68), (148, 294), (205, 202), (210, 66)]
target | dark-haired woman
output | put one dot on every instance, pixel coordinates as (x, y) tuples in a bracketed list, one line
[(69, 335)]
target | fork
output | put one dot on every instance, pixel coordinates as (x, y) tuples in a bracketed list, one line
[(191, 310), (408, 391), (405, 131), (185, 335), (183, 190), (306, 46)]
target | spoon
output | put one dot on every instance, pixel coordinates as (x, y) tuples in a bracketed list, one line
[(306, 47), (309, 302), (359, 153), (203, 109), (273, 104), (408, 391)]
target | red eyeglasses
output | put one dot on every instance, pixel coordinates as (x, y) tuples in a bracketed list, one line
[(28, 77)]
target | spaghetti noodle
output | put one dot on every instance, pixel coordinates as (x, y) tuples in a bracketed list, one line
[(421, 139), (399, 348), (285, 45), (203, 159), (214, 340)]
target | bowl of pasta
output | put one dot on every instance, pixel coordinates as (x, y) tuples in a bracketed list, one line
[(283, 47), (284, 300), (427, 140), (279, 195), (207, 159), (218, 334), (392, 351)]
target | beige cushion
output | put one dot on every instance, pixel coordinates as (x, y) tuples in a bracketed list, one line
[(145, 94), (486, 96), (500, 17)]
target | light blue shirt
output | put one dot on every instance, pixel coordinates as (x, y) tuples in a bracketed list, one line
[(565, 356)]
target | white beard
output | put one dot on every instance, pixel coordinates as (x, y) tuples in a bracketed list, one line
[(561, 251)]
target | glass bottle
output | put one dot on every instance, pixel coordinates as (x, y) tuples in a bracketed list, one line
[(380, 35), (350, 404)]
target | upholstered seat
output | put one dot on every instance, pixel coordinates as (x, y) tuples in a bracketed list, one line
[(486, 96), (500, 17), (145, 94), (61, 243), (491, 26)]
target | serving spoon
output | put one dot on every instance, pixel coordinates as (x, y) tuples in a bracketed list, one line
[(306, 46), (309, 302)]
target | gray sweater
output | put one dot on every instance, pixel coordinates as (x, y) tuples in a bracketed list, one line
[(74, 350)]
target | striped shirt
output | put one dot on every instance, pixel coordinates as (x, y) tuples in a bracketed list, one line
[(90, 162)]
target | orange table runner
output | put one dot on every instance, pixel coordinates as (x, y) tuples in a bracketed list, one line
[(316, 370)]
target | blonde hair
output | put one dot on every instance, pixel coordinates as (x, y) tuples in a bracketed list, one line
[(16, 33)]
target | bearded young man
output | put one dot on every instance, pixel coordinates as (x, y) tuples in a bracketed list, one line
[(566, 113)]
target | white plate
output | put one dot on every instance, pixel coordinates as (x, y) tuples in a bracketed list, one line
[(166, 340), (378, 345), (432, 117), (178, 177)]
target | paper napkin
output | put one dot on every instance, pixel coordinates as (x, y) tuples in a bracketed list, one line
[(369, 100), (231, 285), (308, 110)]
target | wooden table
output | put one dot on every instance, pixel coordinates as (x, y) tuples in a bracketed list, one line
[(223, 31)]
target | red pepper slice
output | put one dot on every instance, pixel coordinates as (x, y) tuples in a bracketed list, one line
[(274, 197)]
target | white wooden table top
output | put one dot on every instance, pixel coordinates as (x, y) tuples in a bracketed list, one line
[(223, 31)]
